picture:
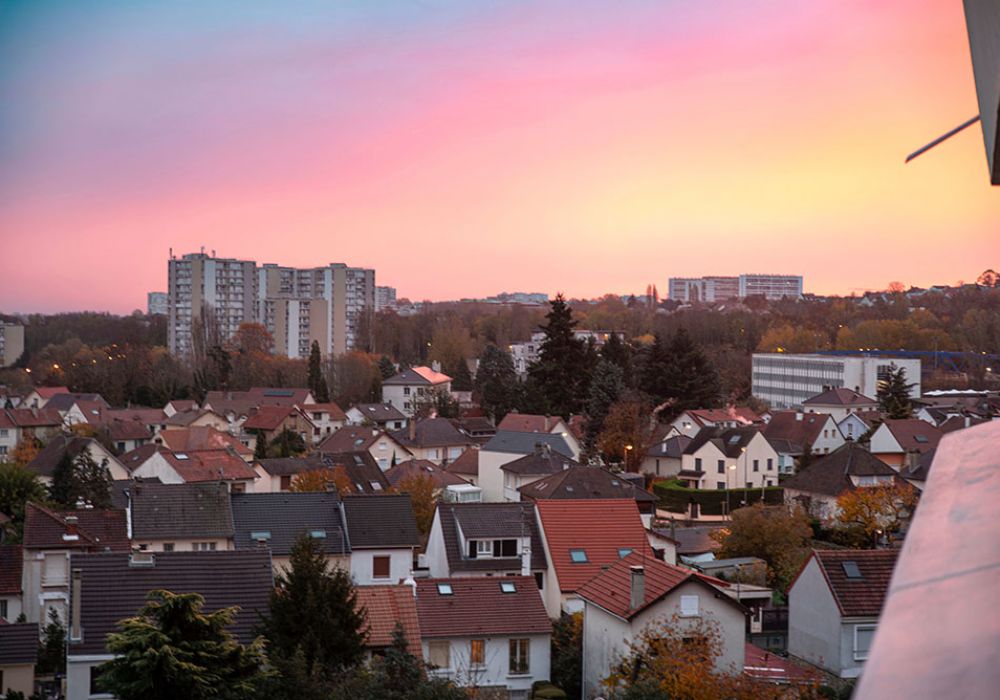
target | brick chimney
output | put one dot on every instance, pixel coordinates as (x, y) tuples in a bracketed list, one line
[(72, 532), (637, 586)]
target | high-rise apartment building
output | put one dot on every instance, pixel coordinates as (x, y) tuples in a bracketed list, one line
[(156, 303), (716, 289), (11, 342), (385, 298)]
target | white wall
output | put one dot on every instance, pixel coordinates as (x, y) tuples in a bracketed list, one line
[(491, 478), (400, 565), (78, 676), (13, 608), (497, 656), (814, 620)]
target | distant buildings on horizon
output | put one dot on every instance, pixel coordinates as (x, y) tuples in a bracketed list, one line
[(716, 289)]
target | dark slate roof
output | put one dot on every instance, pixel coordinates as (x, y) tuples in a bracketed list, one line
[(466, 463), (417, 376), (44, 463), (830, 474), (671, 448), (379, 412), (120, 488), (64, 402), (360, 467), (112, 590), (163, 511), (541, 461), (513, 442), (11, 561), (586, 482), (285, 516), (489, 520), (730, 441), (431, 432), (96, 530), (857, 597), (692, 540), (839, 396), (385, 521), (795, 426), (477, 606), (18, 643), (422, 468), (922, 469)]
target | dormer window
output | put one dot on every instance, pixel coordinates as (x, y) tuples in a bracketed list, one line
[(484, 548)]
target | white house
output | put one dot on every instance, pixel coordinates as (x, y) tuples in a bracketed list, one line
[(413, 387), (383, 415), (507, 446), (839, 402), (691, 421), (729, 458), (899, 443), (534, 423), (383, 538), (817, 430)]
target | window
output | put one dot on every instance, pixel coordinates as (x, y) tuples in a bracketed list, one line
[(756, 465), (697, 464), (721, 464), (749, 484), (578, 556), (689, 606), (168, 546), (406, 391), (770, 464), (3, 615), (238, 487), (505, 548), (508, 587), (439, 654), (55, 570), (95, 680), (539, 579), (477, 652), (445, 589), (286, 483), (380, 567), (851, 570), (519, 650), (204, 546), (863, 635), (624, 552), (721, 485), (317, 534), (484, 548)]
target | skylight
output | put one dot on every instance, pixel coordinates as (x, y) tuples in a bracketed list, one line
[(317, 534), (578, 556), (508, 587), (920, 438), (624, 552), (258, 535), (851, 569), (733, 439), (180, 455), (445, 589)]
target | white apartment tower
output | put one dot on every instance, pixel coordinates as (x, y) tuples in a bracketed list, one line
[(716, 289)]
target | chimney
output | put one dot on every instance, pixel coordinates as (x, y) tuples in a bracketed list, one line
[(436, 366), (526, 558), (72, 533), (637, 589), (412, 425)]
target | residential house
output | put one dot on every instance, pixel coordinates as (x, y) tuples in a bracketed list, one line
[(579, 482), (49, 538), (241, 402), (415, 387), (839, 402), (542, 462), (834, 604), (423, 469), (198, 438), (817, 430), (899, 443), (131, 577), (691, 421), (195, 517), (155, 461), (917, 472), (486, 539), (358, 469), (383, 448), (479, 428), (637, 592), (854, 425), (39, 396), (18, 655), (175, 406), (506, 446), (64, 403), (580, 539), (850, 467), (384, 607), (532, 423), (34, 423), (466, 465), (325, 417), (203, 418), (276, 520), (729, 458), (434, 439), (692, 544), (11, 568), (267, 422), (485, 632), (10, 435), (381, 415), (45, 462), (383, 537), (664, 458)]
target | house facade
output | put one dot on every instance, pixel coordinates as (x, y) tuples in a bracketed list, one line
[(729, 458), (507, 446), (413, 388)]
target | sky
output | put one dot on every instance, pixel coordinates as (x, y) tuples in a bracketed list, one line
[(467, 148)]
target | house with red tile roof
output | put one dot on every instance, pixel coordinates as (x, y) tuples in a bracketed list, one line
[(39, 396), (269, 421), (533, 423), (691, 421), (433, 439), (193, 466), (422, 468), (818, 430), (637, 591), (485, 632), (839, 402), (466, 465), (580, 538), (325, 417), (45, 462), (413, 387), (384, 606), (201, 438), (39, 423), (383, 448), (834, 605), (899, 443)]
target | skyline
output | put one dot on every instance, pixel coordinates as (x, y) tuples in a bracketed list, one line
[(460, 151)]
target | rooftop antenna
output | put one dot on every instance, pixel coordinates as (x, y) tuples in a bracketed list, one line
[(943, 137)]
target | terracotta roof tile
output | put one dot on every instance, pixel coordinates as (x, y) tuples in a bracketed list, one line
[(209, 465), (796, 427), (859, 597), (96, 530), (416, 468), (914, 434), (840, 396), (200, 438), (11, 563), (477, 606), (385, 606), (466, 463)]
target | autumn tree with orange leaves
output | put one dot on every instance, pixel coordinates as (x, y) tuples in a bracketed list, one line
[(876, 509), (316, 480), (423, 497)]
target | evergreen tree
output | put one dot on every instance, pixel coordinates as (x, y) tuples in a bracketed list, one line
[(681, 375), (314, 627), (461, 379), (617, 352), (558, 381), (496, 383), (894, 394), (567, 654), (605, 388), (18, 485), (52, 650), (62, 486), (317, 382), (81, 479), (260, 446), (386, 368), (657, 371), (287, 443), (172, 649)]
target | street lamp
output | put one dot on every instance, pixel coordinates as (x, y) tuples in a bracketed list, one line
[(729, 506), (628, 454)]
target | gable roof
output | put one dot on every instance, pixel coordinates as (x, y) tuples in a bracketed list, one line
[(96, 530), (64, 402), (335, 411), (112, 590), (189, 416), (45, 462), (416, 468), (209, 465), (34, 417), (577, 482), (11, 566), (133, 459), (352, 438), (542, 460), (47, 392), (839, 396), (431, 432), (384, 606), (360, 468), (859, 597), (671, 448), (692, 540), (729, 441), (384, 521), (600, 527), (379, 412), (513, 442), (794, 426), (286, 516), (913, 434), (202, 437), (18, 643), (165, 511), (830, 474), (713, 416), (489, 521), (529, 423), (611, 588), (466, 463), (271, 417), (477, 606), (417, 376)]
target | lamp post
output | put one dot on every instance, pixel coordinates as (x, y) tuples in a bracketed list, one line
[(628, 454), (729, 491)]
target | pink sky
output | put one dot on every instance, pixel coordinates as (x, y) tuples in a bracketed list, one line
[(557, 146)]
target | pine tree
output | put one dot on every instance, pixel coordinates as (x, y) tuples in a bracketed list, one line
[(558, 381), (461, 379), (496, 383), (657, 373), (317, 382), (618, 353), (52, 651), (62, 489), (260, 446), (605, 388), (386, 368), (894, 394), (81, 479), (172, 649)]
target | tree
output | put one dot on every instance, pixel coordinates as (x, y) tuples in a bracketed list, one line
[(319, 480), (657, 371), (314, 627), (894, 394), (606, 387), (423, 497), (171, 649), (496, 383), (461, 379), (692, 380), (287, 443), (618, 353), (52, 650), (567, 654), (676, 658), (260, 445), (386, 368), (17, 487), (558, 380), (775, 534), (317, 382), (627, 433), (80, 479), (876, 509)]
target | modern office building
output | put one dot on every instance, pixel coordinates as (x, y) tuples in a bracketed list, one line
[(11, 342), (716, 289), (157, 303), (785, 380), (770, 286)]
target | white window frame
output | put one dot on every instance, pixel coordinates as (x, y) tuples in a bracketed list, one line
[(439, 644), (482, 553), (859, 655), (690, 606)]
